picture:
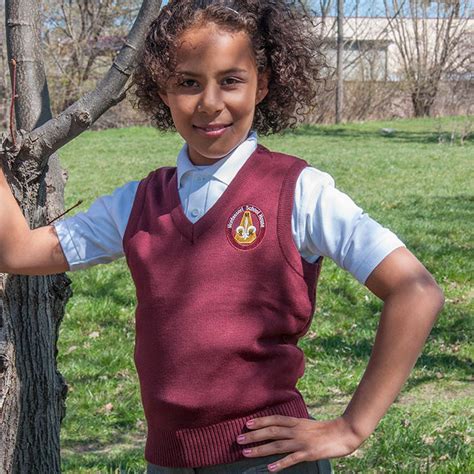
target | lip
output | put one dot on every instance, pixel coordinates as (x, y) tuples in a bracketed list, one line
[(212, 129)]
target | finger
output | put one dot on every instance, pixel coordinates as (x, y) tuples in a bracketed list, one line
[(276, 447), (290, 460), (279, 420), (270, 432)]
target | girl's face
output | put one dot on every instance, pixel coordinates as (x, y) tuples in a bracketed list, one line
[(213, 95)]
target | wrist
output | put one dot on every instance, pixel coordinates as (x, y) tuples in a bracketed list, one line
[(358, 431)]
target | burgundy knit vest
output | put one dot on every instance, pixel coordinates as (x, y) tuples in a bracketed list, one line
[(221, 306)]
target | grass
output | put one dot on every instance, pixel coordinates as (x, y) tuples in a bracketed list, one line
[(418, 181)]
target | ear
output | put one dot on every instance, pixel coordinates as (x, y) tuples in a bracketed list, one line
[(164, 98), (262, 86)]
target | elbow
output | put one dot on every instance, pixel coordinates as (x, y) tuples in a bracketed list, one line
[(439, 297), (433, 295)]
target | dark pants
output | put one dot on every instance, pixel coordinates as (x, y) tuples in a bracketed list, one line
[(247, 466)]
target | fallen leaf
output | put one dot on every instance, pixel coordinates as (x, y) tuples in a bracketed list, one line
[(94, 335), (428, 439)]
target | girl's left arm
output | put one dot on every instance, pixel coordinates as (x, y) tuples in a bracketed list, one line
[(412, 301)]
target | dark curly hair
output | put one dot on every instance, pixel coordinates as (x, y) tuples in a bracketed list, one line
[(283, 41)]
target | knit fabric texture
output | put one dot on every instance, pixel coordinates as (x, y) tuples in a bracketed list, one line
[(221, 305)]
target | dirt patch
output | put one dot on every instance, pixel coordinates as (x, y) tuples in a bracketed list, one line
[(432, 391), (132, 441)]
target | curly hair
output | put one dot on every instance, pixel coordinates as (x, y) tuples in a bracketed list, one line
[(283, 41)]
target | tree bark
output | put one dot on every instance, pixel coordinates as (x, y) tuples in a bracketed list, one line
[(32, 391), (33, 402)]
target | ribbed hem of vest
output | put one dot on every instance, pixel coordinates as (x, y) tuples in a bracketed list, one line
[(210, 445)]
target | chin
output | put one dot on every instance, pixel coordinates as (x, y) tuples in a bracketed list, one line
[(219, 153)]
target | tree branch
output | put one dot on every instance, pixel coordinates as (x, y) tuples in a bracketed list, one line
[(46, 139)]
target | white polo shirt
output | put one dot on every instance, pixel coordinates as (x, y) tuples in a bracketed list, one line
[(325, 221)]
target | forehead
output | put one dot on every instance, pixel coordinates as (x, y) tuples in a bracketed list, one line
[(212, 48)]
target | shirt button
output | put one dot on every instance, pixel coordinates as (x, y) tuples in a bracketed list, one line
[(195, 212)]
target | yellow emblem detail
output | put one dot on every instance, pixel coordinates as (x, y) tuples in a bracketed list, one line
[(246, 232)]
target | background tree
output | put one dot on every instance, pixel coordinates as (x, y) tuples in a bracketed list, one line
[(340, 61), (32, 392), (362, 47), (80, 39), (432, 43)]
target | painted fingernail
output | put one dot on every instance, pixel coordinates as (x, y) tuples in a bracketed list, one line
[(250, 423), (247, 451), (241, 438), (272, 467)]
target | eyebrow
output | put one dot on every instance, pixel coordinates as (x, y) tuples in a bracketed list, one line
[(227, 71)]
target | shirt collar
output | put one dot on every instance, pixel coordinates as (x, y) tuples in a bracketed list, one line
[(224, 169)]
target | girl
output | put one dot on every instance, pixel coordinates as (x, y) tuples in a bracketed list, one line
[(226, 248)]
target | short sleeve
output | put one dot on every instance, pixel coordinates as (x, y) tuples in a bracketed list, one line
[(327, 222), (96, 236)]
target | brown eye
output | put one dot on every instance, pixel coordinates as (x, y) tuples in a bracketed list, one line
[(231, 81), (188, 83)]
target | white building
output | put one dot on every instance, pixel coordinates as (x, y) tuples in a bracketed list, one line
[(372, 46)]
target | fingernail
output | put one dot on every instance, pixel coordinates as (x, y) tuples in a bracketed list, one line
[(241, 438), (247, 451), (250, 423), (272, 467)]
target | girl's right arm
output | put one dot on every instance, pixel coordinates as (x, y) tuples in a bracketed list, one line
[(24, 251)]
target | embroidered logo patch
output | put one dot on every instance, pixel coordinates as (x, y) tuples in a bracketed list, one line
[(246, 227)]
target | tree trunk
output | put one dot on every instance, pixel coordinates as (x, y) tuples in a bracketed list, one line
[(340, 61), (422, 101), (32, 391)]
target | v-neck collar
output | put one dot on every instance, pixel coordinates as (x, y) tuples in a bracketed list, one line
[(194, 231)]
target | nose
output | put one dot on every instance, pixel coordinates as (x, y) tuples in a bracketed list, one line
[(211, 100)]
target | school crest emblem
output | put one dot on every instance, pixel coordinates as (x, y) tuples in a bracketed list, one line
[(246, 227)]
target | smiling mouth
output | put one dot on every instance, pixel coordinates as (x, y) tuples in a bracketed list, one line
[(214, 130)]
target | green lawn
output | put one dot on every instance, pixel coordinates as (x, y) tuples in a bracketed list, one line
[(418, 181)]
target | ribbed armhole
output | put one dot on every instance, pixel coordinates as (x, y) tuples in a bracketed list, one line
[(308, 271), (285, 210), (137, 206)]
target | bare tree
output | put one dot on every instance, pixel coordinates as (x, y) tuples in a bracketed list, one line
[(429, 38), (340, 61), (360, 82), (79, 38), (32, 392)]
